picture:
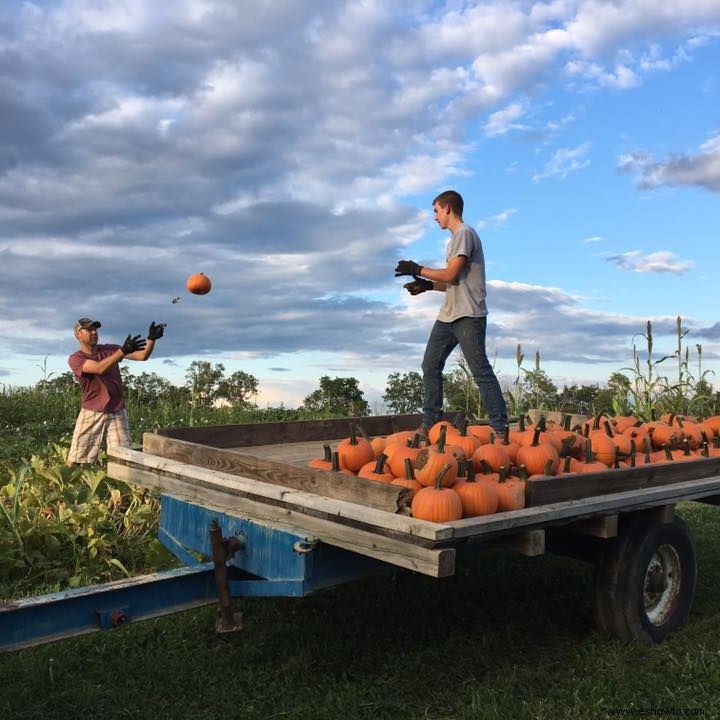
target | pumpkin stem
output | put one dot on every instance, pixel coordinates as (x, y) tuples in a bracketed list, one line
[(589, 455), (443, 472), (442, 439), (548, 466), (335, 461), (608, 429), (668, 452), (705, 449), (523, 473), (566, 464), (646, 447), (470, 473), (506, 439), (502, 473), (409, 474), (536, 437), (353, 435), (327, 454), (485, 467), (380, 464)]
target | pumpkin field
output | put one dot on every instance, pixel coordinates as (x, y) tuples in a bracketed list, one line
[(505, 636)]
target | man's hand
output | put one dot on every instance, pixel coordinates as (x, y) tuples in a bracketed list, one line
[(407, 267), (418, 285), (156, 331), (132, 344)]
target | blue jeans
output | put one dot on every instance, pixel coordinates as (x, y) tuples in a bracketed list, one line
[(469, 333)]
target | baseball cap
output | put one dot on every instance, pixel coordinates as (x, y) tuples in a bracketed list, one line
[(87, 324)]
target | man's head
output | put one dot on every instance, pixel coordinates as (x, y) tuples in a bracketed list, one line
[(86, 330), (451, 199), (448, 207)]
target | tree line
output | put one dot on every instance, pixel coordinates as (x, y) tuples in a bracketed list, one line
[(208, 385)]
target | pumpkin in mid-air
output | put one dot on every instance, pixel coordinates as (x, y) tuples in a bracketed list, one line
[(199, 284)]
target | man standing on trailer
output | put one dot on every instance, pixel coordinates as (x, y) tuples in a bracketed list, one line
[(462, 319), (96, 367)]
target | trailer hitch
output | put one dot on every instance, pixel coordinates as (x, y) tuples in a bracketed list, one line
[(222, 550)]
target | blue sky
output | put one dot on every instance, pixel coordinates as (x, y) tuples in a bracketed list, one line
[(292, 153)]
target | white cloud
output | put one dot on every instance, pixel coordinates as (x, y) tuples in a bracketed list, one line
[(502, 121), (564, 161), (592, 239), (701, 168), (661, 261)]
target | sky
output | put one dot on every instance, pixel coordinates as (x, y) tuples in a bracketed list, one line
[(291, 150)]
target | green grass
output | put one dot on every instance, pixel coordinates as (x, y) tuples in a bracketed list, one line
[(505, 637)]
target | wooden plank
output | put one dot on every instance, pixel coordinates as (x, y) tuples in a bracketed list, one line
[(226, 436), (545, 491), (434, 562), (604, 526), (570, 510), (382, 496), (530, 543), (170, 474)]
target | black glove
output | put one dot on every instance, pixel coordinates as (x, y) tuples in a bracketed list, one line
[(156, 331), (418, 285), (132, 344), (407, 267)]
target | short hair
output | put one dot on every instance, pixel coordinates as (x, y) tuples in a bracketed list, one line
[(452, 199)]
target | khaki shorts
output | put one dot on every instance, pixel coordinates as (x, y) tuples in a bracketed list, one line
[(91, 428)]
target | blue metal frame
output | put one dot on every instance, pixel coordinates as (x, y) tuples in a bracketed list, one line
[(271, 562)]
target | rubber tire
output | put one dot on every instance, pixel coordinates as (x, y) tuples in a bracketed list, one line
[(620, 580)]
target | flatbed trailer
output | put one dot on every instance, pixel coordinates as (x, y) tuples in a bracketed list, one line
[(248, 517)]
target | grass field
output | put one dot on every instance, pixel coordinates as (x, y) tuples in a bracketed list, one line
[(506, 637)]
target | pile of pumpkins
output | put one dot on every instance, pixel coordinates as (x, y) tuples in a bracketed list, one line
[(465, 470)]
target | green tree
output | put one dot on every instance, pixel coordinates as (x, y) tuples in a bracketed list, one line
[(539, 390), (203, 381), (337, 396), (404, 392), (580, 400), (147, 387), (65, 382), (239, 389), (460, 392)]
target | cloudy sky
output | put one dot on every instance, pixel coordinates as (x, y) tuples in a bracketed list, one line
[(290, 150)]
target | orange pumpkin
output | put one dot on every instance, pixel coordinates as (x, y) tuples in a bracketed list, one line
[(198, 284), (355, 451), (511, 492), (478, 497), (323, 463), (409, 480), (437, 503), (431, 459), (377, 470), (535, 455)]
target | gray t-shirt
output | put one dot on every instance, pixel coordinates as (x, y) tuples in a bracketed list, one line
[(466, 297)]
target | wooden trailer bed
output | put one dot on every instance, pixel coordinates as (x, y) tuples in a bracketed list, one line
[(259, 472)]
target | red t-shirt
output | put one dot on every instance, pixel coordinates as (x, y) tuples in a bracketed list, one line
[(102, 393)]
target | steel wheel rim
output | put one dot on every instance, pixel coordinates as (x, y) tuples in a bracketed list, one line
[(663, 580)]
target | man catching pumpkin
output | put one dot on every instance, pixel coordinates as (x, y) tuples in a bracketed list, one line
[(102, 414), (462, 319)]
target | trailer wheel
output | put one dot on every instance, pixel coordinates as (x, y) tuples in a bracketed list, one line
[(645, 581)]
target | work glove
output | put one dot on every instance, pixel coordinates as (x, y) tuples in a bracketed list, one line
[(407, 267), (418, 285), (132, 343), (156, 331)]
